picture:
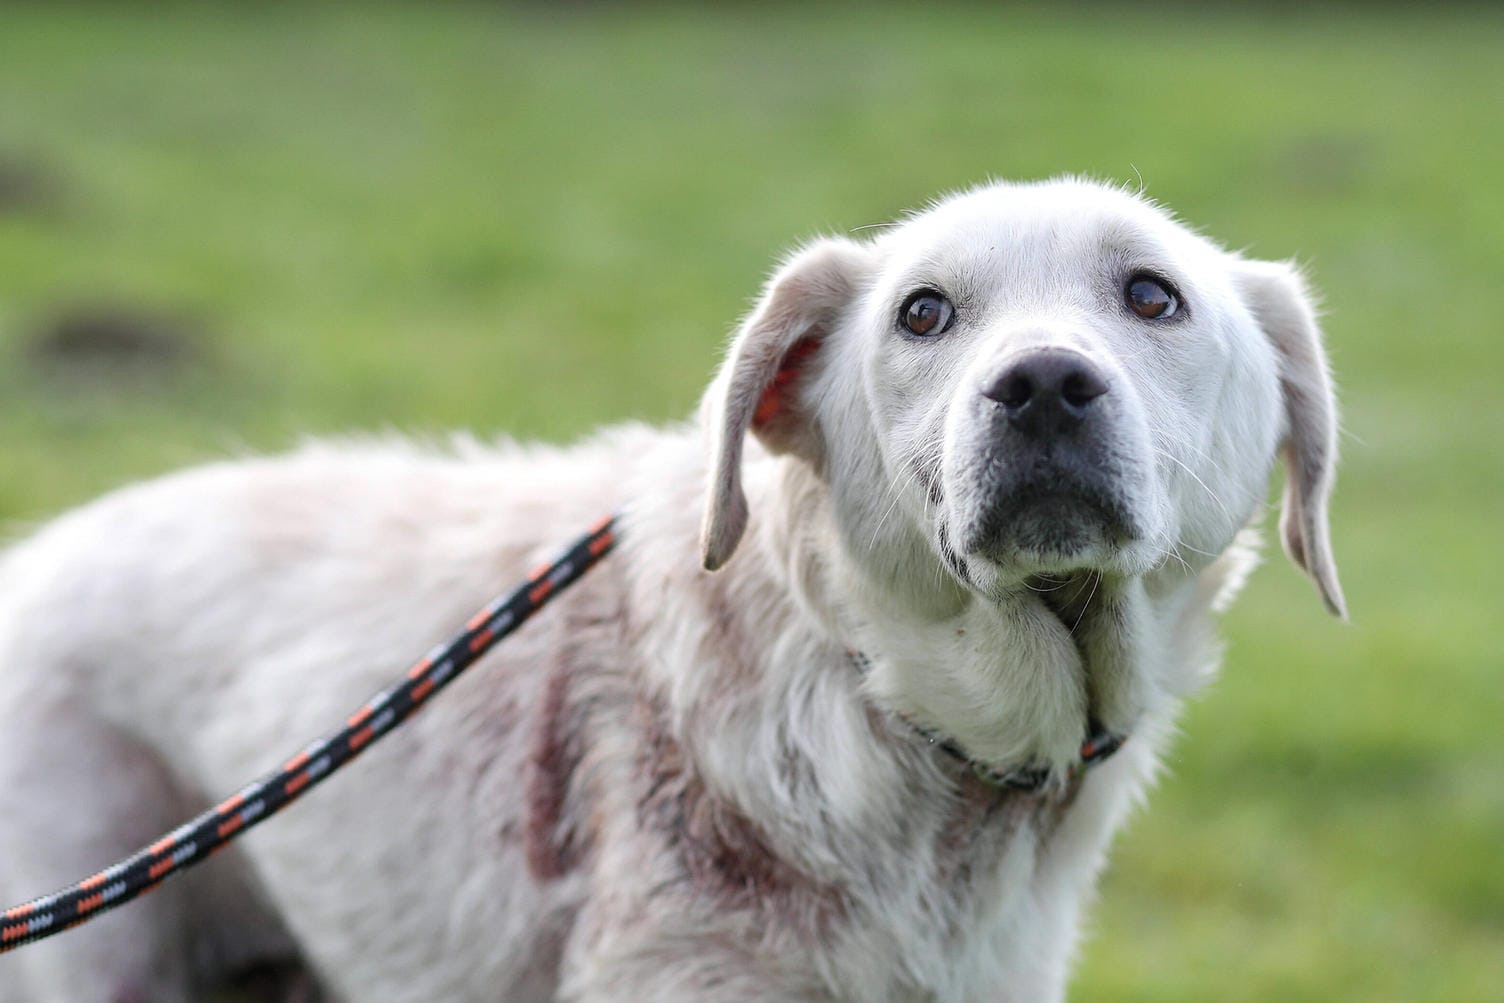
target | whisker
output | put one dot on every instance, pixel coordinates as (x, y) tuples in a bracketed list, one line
[(910, 465), (896, 488), (1175, 553), (1201, 454), (1095, 581), (1194, 476), (1182, 545)]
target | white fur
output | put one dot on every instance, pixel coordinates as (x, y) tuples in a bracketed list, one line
[(719, 806)]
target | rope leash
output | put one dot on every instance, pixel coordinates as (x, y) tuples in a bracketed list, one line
[(198, 838)]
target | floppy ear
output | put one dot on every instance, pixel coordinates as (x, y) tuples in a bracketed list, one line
[(760, 385), (1277, 296)]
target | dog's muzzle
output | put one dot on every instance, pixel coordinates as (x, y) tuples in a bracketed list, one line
[(1048, 486)]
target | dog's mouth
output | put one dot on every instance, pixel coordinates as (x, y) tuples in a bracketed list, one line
[(1052, 523), (1049, 527)]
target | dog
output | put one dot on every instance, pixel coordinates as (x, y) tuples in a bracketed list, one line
[(958, 507)]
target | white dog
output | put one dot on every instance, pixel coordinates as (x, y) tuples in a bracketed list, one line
[(1000, 459)]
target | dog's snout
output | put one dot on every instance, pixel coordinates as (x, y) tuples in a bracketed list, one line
[(1047, 391)]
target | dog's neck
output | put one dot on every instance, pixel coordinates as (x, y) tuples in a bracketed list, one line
[(1099, 746)]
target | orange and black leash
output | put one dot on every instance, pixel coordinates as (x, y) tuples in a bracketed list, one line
[(258, 801)]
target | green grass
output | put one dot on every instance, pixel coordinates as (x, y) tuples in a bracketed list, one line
[(540, 221)]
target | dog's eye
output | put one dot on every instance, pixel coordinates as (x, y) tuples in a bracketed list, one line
[(926, 313), (1150, 298)]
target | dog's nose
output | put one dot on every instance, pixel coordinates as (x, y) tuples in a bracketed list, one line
[(1047, 391)]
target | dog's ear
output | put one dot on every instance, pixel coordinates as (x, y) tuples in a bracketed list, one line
[(762, 383), (1277, 296)]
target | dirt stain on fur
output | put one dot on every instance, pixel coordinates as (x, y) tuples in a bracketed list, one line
[(724, 855), (553, 756)]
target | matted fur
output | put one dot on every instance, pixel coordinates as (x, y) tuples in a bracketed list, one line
[(674, 784)]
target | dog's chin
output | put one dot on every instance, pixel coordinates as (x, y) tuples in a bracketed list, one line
[(1049, 532)]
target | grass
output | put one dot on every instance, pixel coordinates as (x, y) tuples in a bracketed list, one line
[(538, 220)]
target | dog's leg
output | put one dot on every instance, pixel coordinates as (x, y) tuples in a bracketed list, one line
[(676, 965), (647, 935), (75, 797)]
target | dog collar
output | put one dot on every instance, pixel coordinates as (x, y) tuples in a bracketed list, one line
[(1100, 744)]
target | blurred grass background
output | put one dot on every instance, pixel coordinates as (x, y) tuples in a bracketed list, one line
[(223, 227)]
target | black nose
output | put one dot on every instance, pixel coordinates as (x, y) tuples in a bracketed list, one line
[(1047, 391)]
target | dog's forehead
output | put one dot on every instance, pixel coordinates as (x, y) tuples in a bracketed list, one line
[(1042, 225)]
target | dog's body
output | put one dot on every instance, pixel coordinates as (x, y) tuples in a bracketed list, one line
[(677, 784)]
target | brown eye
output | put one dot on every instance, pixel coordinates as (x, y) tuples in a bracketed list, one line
[(926, 313), (1150, 298)]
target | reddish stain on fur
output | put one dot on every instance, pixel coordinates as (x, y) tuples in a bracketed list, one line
[(983, 821), (979, 823), (552, 757), (556, 828), (723, 853), (1052, 812)]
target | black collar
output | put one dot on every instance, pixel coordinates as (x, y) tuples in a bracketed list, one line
[(1099, 745)]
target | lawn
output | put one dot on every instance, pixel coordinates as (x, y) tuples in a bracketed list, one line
[(225, 227)]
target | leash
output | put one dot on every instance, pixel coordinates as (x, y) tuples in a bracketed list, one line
[(198, 838)]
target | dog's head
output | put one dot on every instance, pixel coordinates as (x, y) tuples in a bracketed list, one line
[(1034, 379)]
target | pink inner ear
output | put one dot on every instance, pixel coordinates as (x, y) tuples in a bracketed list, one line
[(774, 401)]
